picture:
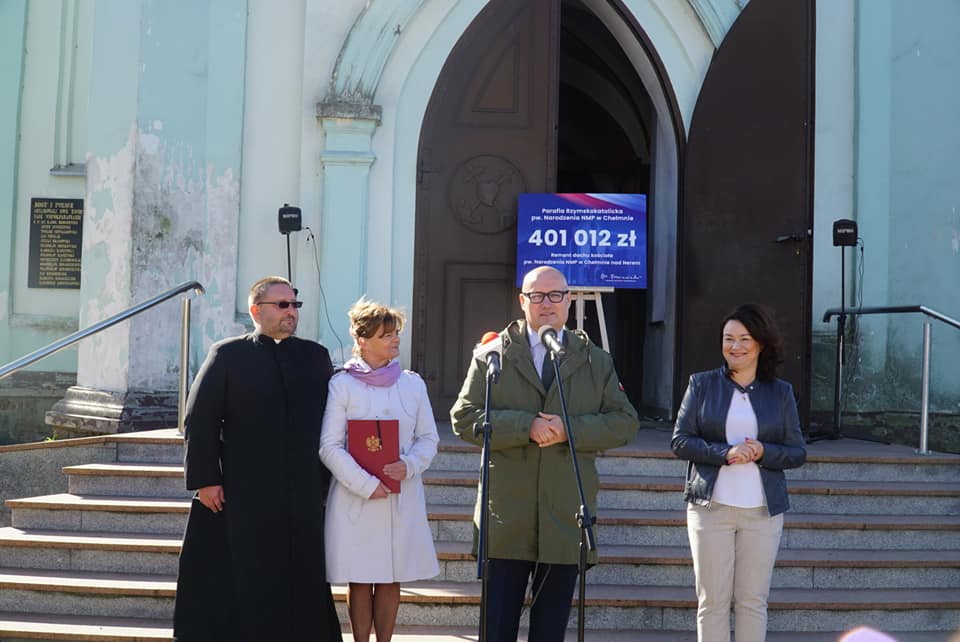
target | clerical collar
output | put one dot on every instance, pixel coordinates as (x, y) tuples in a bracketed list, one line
[(266, 337)]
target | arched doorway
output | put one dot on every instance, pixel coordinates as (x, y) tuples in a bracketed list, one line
[(604, 141), (536, 97)]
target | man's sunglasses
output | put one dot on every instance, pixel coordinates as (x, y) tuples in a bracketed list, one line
[(555, 296), (283, 305)]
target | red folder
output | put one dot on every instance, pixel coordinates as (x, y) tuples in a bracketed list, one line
[(375, 443)]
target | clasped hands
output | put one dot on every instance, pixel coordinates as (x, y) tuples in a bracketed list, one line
[(547, 430), (397, 470), (746, 452)]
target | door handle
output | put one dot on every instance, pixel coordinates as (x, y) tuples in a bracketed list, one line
[(784, 238)]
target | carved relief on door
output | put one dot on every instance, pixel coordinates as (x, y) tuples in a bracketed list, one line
[(488, 135)]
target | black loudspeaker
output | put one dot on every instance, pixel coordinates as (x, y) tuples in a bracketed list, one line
[(291, 220), (844, 232)]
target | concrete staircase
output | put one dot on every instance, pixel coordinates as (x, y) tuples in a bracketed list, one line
[(873, 538)]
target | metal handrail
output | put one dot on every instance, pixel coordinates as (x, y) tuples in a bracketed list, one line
[(892, 309), (840, 313), (70, 339)]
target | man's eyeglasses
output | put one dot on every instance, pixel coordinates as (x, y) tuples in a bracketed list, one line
[(555, 296), (283, 305)]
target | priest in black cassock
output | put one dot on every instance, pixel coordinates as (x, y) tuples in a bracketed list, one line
[(252, 563)]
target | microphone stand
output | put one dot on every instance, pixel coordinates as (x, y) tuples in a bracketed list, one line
[(584, 520), (483, 558)]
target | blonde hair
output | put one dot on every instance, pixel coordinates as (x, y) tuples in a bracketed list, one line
[(367, 317)]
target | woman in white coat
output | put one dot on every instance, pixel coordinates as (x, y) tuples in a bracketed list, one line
[(376, 539)]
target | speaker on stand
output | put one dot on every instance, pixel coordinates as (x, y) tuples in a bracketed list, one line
[(290, 219), (845, 234)]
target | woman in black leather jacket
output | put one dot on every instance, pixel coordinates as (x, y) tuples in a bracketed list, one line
[(738, 429)]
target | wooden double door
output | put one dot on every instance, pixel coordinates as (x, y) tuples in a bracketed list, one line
[(490, 133)]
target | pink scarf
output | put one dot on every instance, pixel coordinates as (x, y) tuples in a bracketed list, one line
[(383, 377)]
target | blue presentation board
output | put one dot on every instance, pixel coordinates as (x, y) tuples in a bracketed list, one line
[(596, 240)]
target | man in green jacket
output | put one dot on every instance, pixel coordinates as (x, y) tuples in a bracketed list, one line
[(533, 491)]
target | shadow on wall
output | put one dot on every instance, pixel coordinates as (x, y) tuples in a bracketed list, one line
[(25, 397)]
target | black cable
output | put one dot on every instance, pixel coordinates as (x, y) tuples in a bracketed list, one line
[(323, 296), (860, 270)]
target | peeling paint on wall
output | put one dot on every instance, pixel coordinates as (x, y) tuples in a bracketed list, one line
[(185, 228), (149, 143), (223, 210), (105, 283), (155, 218)]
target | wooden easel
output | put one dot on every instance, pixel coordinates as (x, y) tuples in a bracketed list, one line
[(580, 298)]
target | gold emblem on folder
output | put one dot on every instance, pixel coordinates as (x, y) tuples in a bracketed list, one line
[(373, 443)]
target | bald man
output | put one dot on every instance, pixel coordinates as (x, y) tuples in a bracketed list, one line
[(533, 491)]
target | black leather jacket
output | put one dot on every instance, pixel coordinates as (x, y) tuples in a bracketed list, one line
[(699, 435)]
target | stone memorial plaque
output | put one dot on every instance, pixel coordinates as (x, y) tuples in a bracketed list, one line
[(56, 241)]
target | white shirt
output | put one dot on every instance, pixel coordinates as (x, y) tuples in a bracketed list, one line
[(739, 485), (538, 349)]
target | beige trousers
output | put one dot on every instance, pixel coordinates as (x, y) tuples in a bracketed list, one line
[(734, 550)]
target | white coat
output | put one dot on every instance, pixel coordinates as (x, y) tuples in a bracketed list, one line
[(380, 540)]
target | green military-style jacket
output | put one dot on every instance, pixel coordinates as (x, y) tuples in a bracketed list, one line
[(533, 491)]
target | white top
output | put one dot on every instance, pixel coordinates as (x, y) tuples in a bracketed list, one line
[(378, 540), (739, 485)]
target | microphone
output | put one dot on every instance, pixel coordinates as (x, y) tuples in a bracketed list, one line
[(491, 349), (548, 337)]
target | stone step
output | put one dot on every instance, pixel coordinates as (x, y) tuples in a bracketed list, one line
[(127, 479), (84, 629), (619, 564), (875, 497), (16, 626), (812, 487), (454, 523), (616, 491), (85, 513), (150, 447), (469, 634), (92, 551), (665, 493), (903, 467), (632, 462), (649, 454), (857, 461), (673, 608), (801, 531), (803, 569), (844, 460), (608, 606), (90, 593)]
